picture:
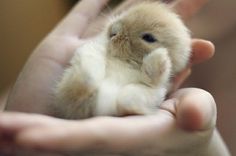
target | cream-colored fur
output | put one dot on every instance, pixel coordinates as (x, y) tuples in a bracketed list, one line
[(118, 72)]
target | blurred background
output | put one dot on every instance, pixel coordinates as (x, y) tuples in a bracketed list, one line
[(24, 23)]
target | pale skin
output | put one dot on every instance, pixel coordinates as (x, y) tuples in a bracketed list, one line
[(185, 124)]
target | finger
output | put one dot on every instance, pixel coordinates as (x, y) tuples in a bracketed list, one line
[(202, 50), (108, 135), (115, 135), (195, 109), (112, 135), (99, 134), (195, 114), (180, 78), (187, 8), (78, 19), (13, 122)]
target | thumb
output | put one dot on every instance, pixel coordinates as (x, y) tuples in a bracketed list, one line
[(195, 114), (195, 109)]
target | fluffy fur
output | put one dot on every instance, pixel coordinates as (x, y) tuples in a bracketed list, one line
[(120, 72)]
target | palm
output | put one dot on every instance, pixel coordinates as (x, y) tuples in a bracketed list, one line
[(45, 66)]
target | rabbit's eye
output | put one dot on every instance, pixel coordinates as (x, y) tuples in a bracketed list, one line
[(149, 38), (112, 34)]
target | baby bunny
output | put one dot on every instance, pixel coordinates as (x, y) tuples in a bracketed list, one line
[(126, 69)]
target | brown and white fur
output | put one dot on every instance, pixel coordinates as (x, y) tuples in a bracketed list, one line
[(119, 72)]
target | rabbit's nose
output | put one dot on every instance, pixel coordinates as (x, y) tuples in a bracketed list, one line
[(116, 28)]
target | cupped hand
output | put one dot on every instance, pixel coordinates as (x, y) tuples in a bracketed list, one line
[(183, 124)]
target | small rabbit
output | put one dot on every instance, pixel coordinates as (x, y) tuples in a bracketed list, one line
[(126, 69)]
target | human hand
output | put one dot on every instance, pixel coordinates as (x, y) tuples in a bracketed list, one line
[(184, 125), (33, 89)]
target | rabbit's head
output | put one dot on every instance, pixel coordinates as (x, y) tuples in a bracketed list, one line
[(146, 27)]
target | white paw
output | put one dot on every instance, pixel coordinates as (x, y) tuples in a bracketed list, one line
[(132, 101), (156, 67)]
